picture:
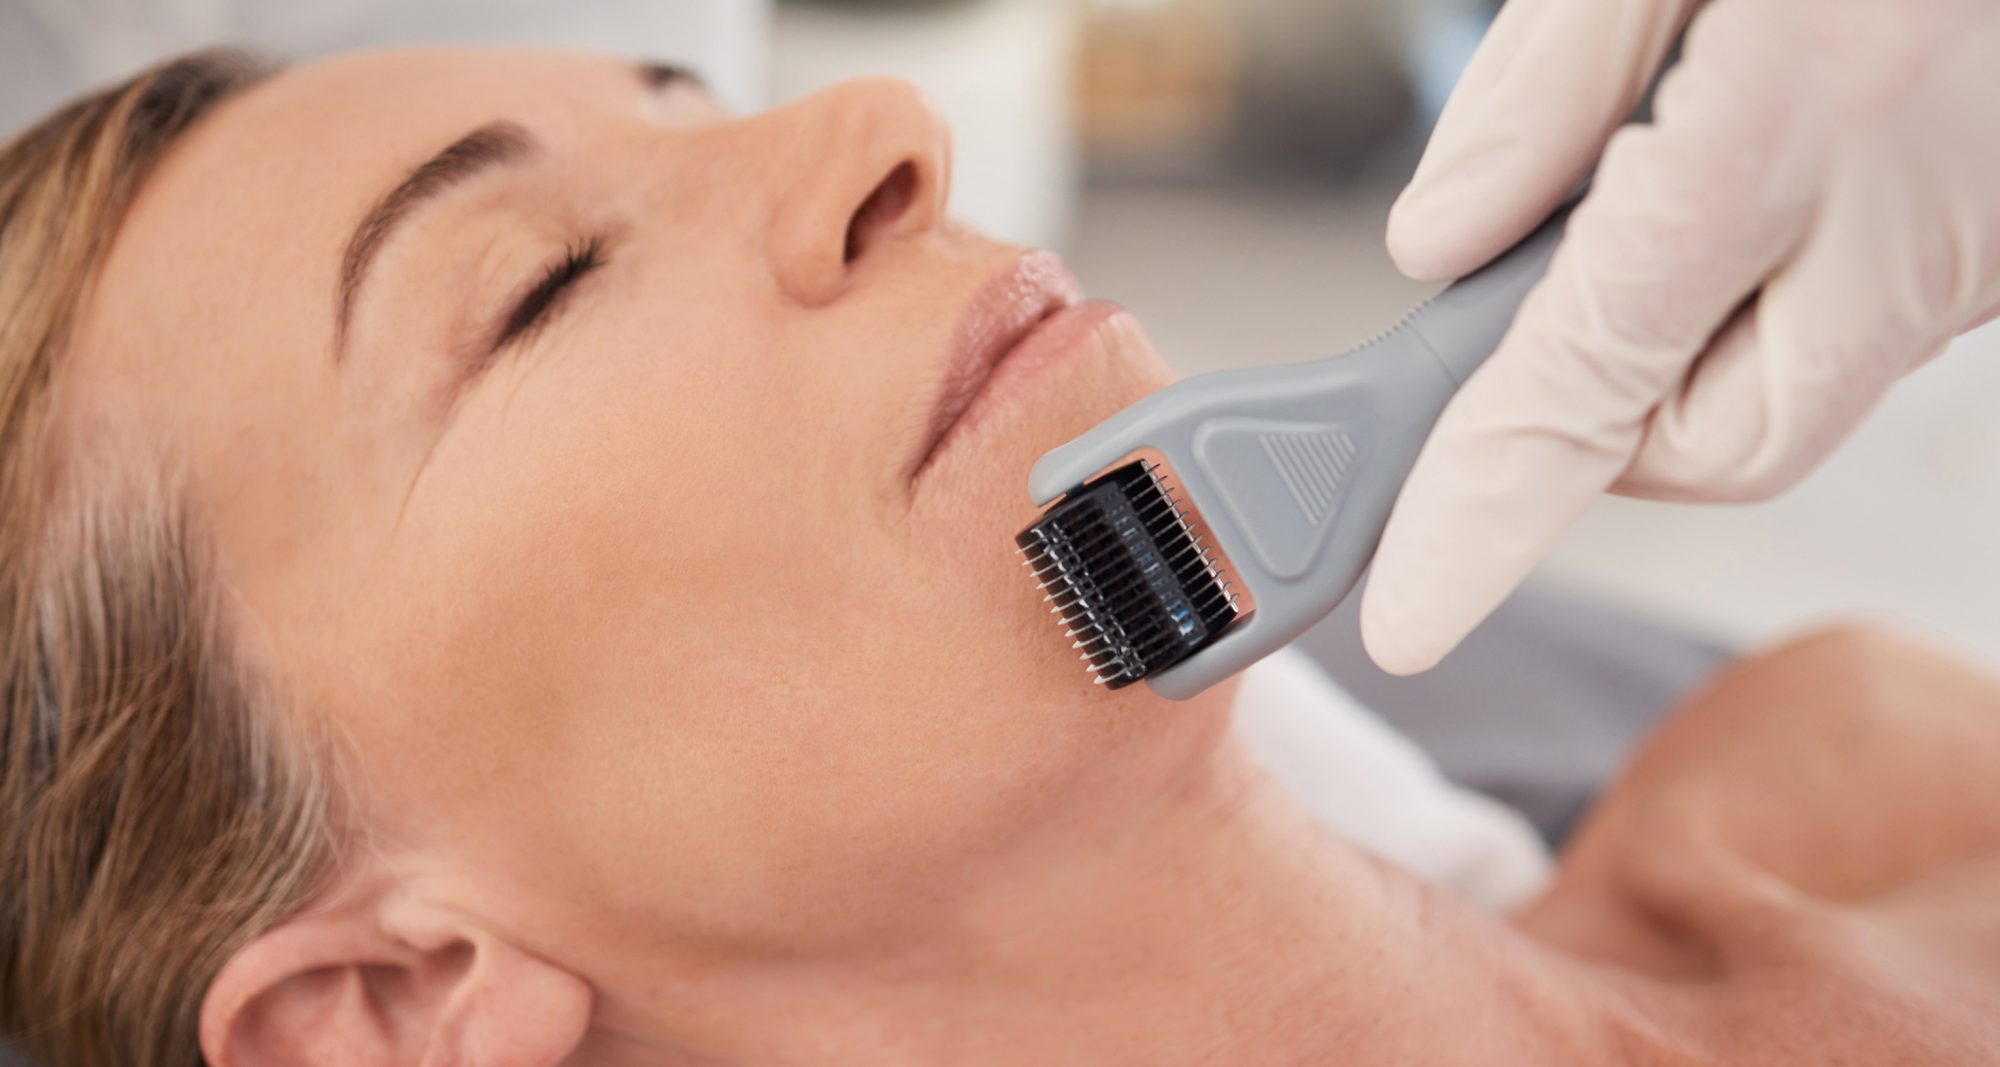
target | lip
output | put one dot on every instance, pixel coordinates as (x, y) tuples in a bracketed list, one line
[(1019, 302)]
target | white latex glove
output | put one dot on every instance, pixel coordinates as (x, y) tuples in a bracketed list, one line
[(1838, 159)]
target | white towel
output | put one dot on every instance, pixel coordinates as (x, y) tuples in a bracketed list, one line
[(1376, 788)]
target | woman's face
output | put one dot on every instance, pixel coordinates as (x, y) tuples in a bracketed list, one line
[(592, 489)]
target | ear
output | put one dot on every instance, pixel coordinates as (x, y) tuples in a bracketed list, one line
[(376, 983)]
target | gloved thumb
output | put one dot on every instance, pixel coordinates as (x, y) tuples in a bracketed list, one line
[(1550, 84)]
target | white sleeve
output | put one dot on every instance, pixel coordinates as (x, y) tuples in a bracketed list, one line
[(1373, 786)]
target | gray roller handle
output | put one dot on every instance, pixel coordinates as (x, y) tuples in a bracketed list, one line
[(1293, 469)]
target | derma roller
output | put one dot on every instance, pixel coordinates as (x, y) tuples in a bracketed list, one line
[(1289, 471)]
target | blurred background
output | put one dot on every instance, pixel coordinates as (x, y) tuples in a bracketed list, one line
[(1224, 168)]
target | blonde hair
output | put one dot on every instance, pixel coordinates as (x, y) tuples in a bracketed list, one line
[(156, 811)]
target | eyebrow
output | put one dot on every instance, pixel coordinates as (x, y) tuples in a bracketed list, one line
[(492, 145), (656, 76), (489, 146)]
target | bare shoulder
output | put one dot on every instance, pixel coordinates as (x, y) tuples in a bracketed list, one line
[(1842, 762), (1807, 851)]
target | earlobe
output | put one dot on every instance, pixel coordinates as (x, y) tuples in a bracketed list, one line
[(390, 983)]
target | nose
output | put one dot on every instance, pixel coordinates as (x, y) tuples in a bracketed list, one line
[(873, 166)]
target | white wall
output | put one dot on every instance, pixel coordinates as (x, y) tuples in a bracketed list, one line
[(1000, 70), (51, 50)]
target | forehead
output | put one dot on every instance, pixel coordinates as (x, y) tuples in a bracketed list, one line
[(205, 341), (231, 250), (277, 175)]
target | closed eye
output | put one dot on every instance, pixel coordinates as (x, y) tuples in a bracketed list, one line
[(535, 306)]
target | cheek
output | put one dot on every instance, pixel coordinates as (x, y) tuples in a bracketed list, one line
[(646, 627), (963, 526)]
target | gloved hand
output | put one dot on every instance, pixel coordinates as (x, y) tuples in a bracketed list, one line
[(1813, 212)]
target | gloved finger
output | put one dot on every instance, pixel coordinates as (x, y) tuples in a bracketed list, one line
[(1868, 298), (1546, 89), (1718, 435), (1752, 420), (1686, 219)]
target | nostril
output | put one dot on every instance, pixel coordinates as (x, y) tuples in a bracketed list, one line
[(877, 215)]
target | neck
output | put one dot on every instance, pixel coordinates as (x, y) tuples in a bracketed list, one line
[(1223, 927)]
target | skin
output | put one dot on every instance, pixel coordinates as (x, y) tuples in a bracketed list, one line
[(1807, 854), (688, 725), (496, 594)]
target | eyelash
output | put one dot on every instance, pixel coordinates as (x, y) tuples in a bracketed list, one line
[(577, 261)]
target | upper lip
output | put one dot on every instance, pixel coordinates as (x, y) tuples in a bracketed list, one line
[(1001, 314)]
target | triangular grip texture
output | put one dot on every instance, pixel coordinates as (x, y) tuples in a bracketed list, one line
[(1256, 462), (1313, 466)]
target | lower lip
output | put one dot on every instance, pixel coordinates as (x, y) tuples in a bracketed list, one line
[(1055, 341)]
